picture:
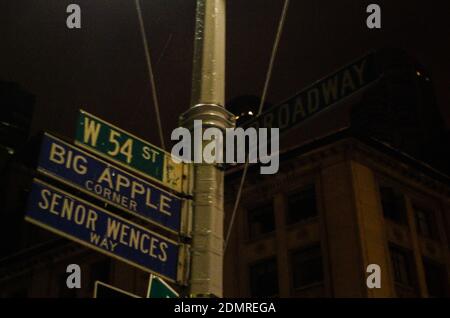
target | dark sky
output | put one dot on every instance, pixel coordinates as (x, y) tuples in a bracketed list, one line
[(101, 68)]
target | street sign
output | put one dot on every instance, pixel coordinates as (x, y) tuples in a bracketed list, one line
[(158, 288), (102, 290), (319, 96), (111, 184), (131, 152), (96, 228)]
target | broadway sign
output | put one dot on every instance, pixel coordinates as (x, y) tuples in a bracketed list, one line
[(94, 227), (115, 186), (319, 95)]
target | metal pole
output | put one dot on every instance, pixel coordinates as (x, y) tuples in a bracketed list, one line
[(207, 105)]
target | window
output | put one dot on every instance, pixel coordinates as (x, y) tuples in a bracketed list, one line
[(261, 220), (302, 205), (264, 278), (425, 222), (393, 204), (64, 291), (436, 277), (402, 263), (19, 293), (100, 270), (307, 267)]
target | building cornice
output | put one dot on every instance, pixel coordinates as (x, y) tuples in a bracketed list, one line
[(304, 160)]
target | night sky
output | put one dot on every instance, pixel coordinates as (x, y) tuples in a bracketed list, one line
[(101, 67)]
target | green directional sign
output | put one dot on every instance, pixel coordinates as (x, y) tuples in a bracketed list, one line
[(319, 96), (131, 152), (103, 290), (157, 288)]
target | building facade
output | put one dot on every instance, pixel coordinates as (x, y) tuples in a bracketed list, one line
[(336, 206)]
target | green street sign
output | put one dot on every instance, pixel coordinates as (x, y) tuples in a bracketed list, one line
[(103, 290), (131, 152), (319, 96), (157, 288)]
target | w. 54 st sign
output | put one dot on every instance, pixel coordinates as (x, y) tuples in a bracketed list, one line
[(131, 152)]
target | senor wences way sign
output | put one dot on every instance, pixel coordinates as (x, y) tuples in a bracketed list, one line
[(102, 180), (131, 152), (89, 225), (320, 95)]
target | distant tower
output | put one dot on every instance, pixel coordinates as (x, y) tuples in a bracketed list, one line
[(245, 107), (16, 111), (17, 107), (401, 110)]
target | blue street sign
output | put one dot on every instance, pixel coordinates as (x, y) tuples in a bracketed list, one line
[(87, 224), (109, 183)]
